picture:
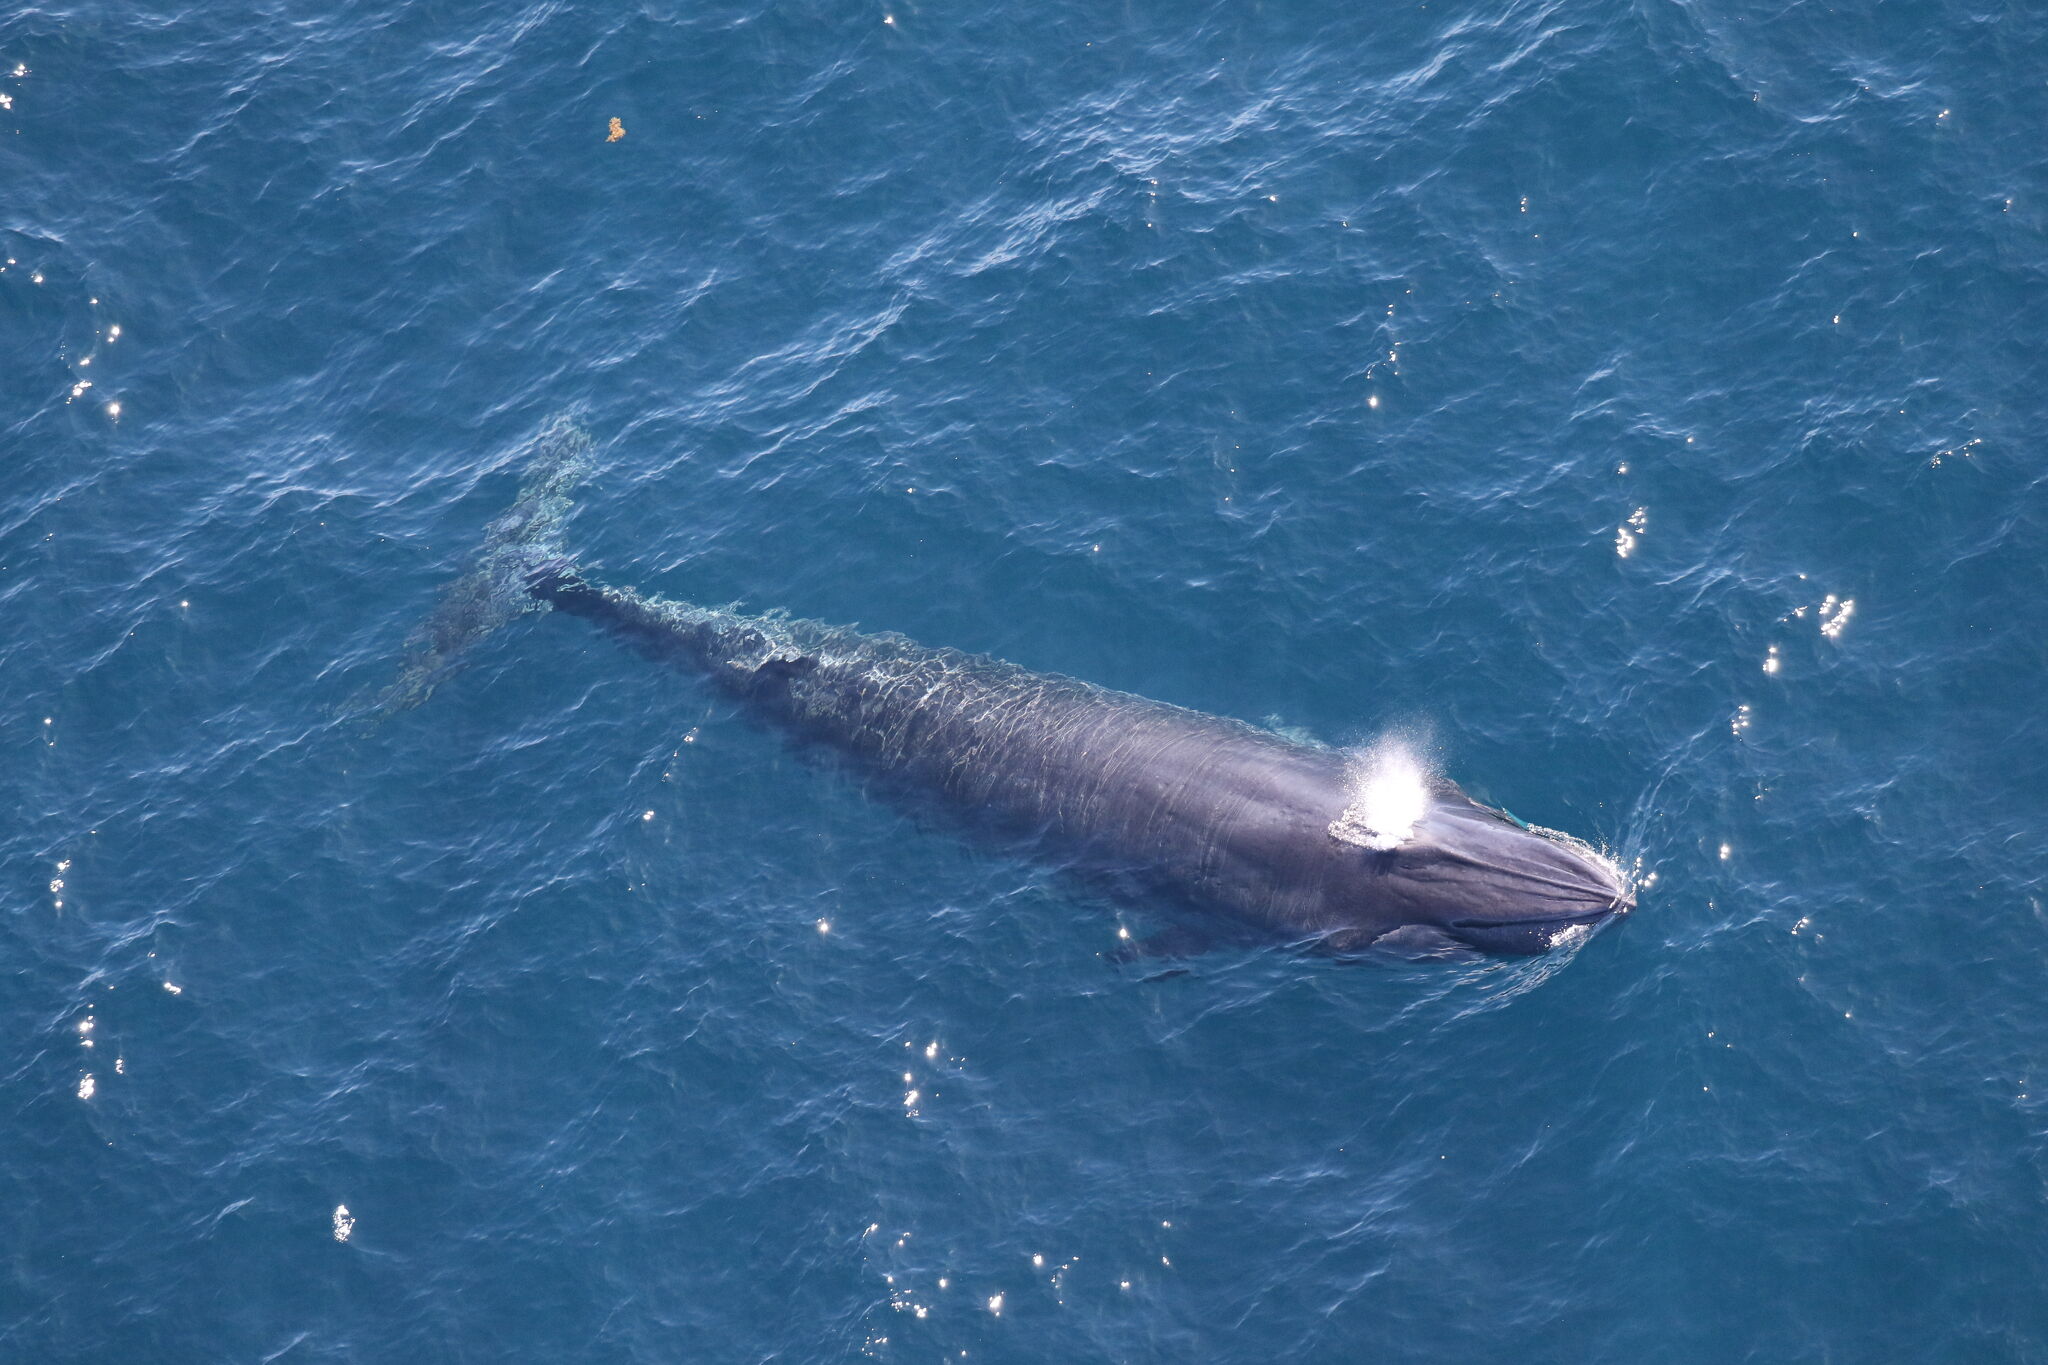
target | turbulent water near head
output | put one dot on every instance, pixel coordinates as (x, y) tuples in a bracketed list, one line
[(1645, 402)]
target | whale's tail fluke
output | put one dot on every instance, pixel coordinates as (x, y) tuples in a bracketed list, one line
[(524, 541)]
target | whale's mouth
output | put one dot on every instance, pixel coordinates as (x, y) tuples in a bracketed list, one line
[(1529, 937)]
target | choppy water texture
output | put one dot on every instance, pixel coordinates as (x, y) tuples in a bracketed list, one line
[(1640, 403)]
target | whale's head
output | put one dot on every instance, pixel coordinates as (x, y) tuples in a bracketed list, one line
[(1470, 876)]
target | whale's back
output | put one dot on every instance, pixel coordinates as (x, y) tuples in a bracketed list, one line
[(1232, 815)]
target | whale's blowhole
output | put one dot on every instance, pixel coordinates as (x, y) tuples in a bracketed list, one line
[(1389, 795)]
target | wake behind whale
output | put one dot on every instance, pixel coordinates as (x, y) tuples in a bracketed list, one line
[(1289, 838)]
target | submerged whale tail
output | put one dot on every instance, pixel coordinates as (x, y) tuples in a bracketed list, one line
[(523, 542)]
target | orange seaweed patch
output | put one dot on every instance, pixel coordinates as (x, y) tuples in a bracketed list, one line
[(618, 131)]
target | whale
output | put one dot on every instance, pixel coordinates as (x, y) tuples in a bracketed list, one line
[(1237, 824)]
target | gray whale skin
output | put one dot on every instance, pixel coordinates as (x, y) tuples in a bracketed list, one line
[(1229, 818)]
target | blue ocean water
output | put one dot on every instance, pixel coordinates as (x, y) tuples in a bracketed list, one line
[(1636, 406)]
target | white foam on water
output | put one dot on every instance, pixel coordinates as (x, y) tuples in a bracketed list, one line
[(1570, 937), (1389, 797)]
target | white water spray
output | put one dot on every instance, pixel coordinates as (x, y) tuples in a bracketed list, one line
[(1389, 797)]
